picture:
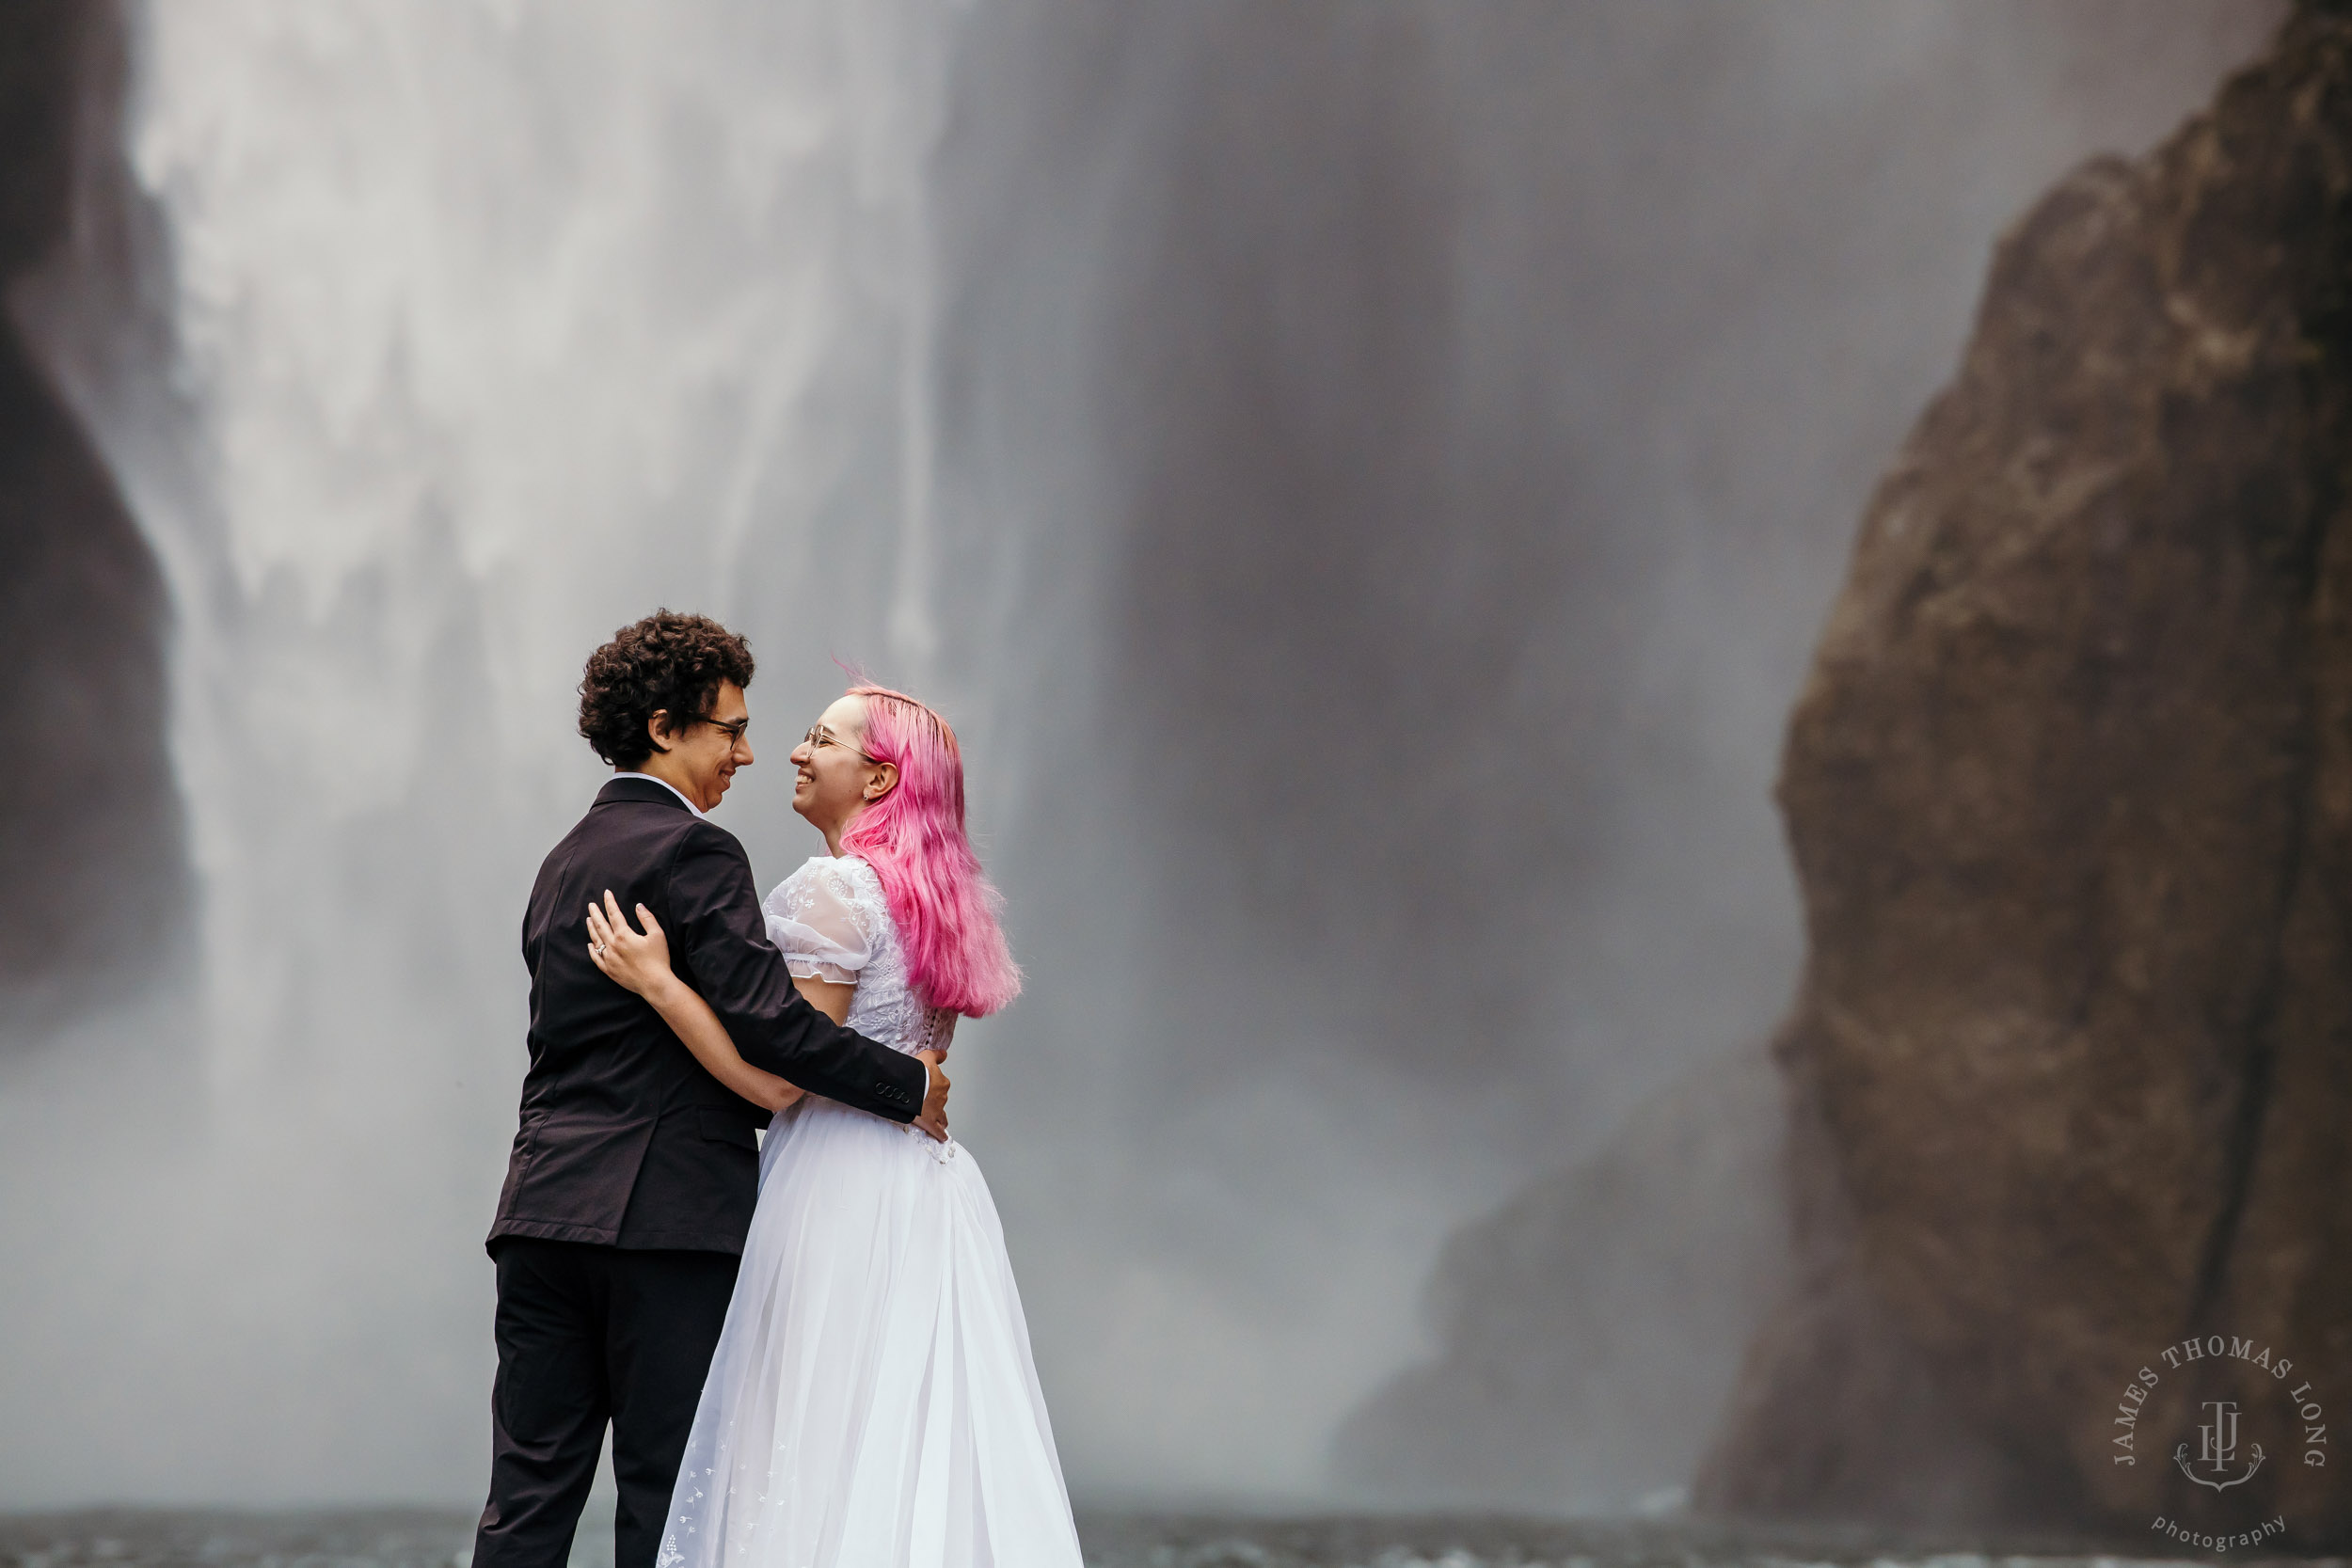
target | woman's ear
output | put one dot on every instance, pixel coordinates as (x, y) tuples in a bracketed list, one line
[(886, 779)]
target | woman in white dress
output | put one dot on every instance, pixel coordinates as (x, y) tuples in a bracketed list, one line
[(872, 1402)]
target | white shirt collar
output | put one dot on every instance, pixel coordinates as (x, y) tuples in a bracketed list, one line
[(626, 773)]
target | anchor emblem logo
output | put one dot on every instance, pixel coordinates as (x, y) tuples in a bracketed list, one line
[(2218, 1448)]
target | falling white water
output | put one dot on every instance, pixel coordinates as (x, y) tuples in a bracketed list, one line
[(501, 324), (496, 325)]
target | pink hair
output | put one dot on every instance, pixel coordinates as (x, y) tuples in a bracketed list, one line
[(914, 838)]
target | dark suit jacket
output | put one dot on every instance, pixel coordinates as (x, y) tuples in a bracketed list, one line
[(625, 1140)]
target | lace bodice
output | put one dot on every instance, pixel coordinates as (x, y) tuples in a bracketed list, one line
[(832, 922)]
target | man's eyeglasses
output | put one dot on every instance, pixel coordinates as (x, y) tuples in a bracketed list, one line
[(819, 735), (735, 727)]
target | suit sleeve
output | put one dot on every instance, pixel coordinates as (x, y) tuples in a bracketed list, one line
[(719, 943)]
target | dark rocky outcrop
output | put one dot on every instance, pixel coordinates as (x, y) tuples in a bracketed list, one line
[(1590, 1325), (2070, 795), (90, 859)]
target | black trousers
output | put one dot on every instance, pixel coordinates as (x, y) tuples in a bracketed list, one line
[(587, 1334)]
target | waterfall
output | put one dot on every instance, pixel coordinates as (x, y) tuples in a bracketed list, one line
[(1363, 479), (498, 325)]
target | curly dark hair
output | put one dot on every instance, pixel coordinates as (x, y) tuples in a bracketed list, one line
[(665, 661)]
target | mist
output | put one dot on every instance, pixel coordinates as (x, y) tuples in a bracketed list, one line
[(1362, 478)]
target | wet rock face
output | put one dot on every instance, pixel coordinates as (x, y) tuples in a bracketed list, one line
[(1589, 1326), (2070, 795), (92, 862)]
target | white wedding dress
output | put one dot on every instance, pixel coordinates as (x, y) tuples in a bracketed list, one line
[(872, 1402)]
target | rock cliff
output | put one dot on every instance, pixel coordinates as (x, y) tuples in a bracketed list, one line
[(91, 865), (2070, 796), (1590, 1325)]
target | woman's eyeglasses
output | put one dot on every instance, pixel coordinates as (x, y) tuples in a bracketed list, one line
[(819, 735)]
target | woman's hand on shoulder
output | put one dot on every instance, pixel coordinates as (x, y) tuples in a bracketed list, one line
[(639, 960)]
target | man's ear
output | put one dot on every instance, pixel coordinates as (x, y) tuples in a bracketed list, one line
[(657, 728)]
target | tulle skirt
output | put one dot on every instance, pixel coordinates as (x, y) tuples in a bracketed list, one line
[(872, 1402)]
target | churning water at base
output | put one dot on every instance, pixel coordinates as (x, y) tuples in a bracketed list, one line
[(426, 1539)]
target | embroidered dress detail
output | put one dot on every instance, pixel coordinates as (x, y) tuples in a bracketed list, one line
[(832, 922)]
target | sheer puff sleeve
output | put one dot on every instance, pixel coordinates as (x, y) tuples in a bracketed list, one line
[(820, 923)]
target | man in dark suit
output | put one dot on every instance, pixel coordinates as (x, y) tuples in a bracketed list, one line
[(635, 1172)]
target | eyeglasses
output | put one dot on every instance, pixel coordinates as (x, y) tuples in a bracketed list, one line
[(735, 727), (819, 735)]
